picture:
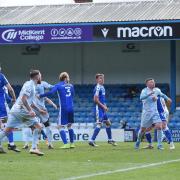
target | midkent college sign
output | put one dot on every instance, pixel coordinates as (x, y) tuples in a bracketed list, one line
[(88, 33)]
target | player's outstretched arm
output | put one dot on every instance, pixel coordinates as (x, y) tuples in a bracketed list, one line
[(11, 91), (49, 101), (164, 96), (50, 93)]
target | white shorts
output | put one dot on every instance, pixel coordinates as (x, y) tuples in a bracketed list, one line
[(19, 117), (149, 118), (43, 118)]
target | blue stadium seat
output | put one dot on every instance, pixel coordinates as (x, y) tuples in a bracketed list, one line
[(120, 106)]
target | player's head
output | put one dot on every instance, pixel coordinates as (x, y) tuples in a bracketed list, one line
[(64, 76), (40, 80), (99, 78), (150, 83), (35, 75)]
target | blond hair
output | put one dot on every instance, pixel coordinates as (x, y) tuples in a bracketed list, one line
[(63, 76)]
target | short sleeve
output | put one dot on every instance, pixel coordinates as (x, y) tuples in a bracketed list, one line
[(97, 90), (27, 90), (4, 80), (158, 91)]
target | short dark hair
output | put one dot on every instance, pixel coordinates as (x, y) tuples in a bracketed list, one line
[(148, 79), (34, 73), (98, 75)]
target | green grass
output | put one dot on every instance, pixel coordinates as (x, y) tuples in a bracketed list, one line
[(58, 164)]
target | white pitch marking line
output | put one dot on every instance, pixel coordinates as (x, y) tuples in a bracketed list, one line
[(122, 170)]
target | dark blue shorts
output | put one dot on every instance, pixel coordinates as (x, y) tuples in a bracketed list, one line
[(100, 115), (65, 117)]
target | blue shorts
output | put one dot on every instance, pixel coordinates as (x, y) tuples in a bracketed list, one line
[(65, 117), (100, 115), (3, 111)]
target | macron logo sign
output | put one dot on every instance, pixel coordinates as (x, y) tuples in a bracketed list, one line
[(9, 35), (143, 32), (105, 32)]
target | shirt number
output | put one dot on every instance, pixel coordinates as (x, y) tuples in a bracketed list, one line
[(68, 92)]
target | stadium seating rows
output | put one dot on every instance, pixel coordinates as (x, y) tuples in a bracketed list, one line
[(122, 100)]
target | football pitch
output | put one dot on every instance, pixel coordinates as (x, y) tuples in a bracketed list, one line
[(84, 162)]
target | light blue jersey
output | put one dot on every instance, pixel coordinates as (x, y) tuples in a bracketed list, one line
[(150, 114), (40, 89), (40, 103), (18, 113), (149, 105)]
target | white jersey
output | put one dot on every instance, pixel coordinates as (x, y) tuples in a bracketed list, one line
[(165, 110), (40, 89), (149, 105), (28, 89)]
